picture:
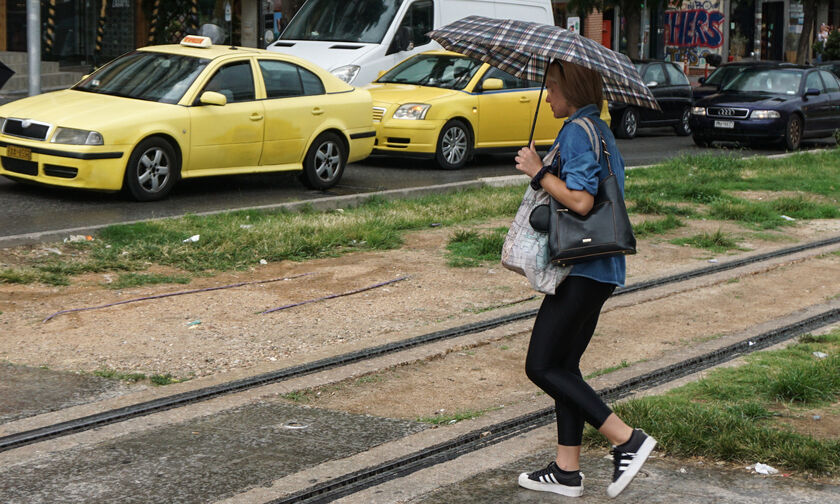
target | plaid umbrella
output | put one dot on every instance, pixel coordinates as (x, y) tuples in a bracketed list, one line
[(525, 50)]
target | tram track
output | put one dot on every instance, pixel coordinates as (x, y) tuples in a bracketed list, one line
[(179, 400), (486, 436)]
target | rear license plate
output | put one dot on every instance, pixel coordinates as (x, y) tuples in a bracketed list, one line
[(13, 151), (725, 124)]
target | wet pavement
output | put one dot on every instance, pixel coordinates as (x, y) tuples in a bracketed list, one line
[(28, 391), (201, 460), (661, 481)]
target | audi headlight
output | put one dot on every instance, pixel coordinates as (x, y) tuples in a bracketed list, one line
[(698, 111), (764, 114), (77, 137), (347, 72), (412, 111)]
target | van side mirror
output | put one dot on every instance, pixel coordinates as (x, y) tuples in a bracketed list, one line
[(212, 98), (492, 84), (402, 41)]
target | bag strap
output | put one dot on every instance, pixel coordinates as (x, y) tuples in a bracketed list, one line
[(593, 132)]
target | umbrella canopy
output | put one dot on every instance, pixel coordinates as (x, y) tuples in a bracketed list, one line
[(526, 49)]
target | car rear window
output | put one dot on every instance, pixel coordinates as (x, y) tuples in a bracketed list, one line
[(284, 79)]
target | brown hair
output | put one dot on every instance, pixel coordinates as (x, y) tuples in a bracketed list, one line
[(581, 86)]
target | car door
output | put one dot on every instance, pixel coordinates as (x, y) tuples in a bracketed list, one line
[(295, 106), (815, 108), (655, 79), (504, 114), (231, 135), (679, 90), (832, 88)]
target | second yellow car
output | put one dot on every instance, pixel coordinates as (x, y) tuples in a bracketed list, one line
[(447, 106)]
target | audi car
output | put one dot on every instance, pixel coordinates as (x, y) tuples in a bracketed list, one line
[(770, 105), (163, 113), (725, 73)]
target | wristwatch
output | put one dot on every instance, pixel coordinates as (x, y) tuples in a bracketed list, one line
[(535, 181)]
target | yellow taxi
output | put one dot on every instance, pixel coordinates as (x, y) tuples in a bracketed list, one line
[(163, 113), (447, 106)]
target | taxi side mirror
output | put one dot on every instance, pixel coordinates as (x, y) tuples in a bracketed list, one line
[(492, 84), (212, 98)]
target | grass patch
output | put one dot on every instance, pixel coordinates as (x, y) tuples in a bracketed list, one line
[(163, 379), (127, 280), (608, 370), (656, 227), (113, 374), (469, 249), (451, 418), (716, 242), (729, 415)]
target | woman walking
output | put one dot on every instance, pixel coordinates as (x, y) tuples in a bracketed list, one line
[(566, 320)]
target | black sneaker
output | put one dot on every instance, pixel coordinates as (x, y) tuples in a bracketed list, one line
[(628, 459), (553, 479)]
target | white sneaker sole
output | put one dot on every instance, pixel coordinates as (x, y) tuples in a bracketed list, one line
[(621, 483), (526, 482)]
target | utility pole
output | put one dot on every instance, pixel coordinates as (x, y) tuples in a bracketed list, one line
[(33, 45)]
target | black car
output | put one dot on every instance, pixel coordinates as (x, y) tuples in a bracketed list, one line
[(770, 104), (672, 91), (725, 73), (831, 66)]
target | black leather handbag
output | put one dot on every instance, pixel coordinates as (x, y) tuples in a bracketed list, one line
[(605, 231)]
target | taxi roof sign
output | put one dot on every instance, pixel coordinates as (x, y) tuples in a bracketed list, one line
[(196, 41)]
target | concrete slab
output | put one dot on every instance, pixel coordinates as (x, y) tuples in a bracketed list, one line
[(661, 481), (27, 391), (199, 461)]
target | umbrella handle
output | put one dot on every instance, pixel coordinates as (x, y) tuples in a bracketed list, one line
[(537, 113)]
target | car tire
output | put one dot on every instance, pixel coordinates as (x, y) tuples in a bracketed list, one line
[(793, 132), (683, 128), (454, 145), (700, 141), (152, 171), (324, 163), (627, 124)]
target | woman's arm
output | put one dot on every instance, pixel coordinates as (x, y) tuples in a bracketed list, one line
[(529, 163)]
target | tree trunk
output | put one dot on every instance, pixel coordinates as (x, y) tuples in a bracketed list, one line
[(803, 49), (632, 29)]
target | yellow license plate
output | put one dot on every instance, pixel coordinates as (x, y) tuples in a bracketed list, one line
[(13, 151)]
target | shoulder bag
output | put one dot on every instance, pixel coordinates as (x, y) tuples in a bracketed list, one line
[(605, 231)]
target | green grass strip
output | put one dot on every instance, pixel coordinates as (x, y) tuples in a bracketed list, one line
[(729, 414)]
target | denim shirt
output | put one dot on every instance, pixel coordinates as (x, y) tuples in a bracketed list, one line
[(580, 170)]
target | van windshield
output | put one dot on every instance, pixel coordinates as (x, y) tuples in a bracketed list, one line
[(364, 21)]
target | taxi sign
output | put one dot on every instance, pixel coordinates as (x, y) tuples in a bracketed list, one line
[(196, 41)]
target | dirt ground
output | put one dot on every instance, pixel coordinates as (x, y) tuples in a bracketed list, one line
[(209, 332)]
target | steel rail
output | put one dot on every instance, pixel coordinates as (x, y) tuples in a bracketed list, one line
[(330, 490), (122, 414)]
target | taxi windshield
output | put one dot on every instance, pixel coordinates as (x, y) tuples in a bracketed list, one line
[(766, 80), (145, 75), (435, 70), (342, 20)]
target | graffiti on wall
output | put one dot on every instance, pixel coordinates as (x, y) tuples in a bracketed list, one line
[(693, 30)]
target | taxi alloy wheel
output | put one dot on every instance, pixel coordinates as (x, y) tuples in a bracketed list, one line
[(628, 124), (683, 128), (454, 146), (325, 161), (152, 170), (793, 132)]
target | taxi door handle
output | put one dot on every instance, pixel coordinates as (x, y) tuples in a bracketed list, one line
[(255, 117), (317, 111), (524, 99)]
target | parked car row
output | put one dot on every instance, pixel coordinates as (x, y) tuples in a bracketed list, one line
[(162, 113)]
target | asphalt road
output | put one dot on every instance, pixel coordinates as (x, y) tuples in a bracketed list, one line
[(34, 209)]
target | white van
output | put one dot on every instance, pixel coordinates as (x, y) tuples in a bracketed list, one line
[(356, 39)]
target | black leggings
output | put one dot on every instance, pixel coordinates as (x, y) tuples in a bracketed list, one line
[(564, 326)]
